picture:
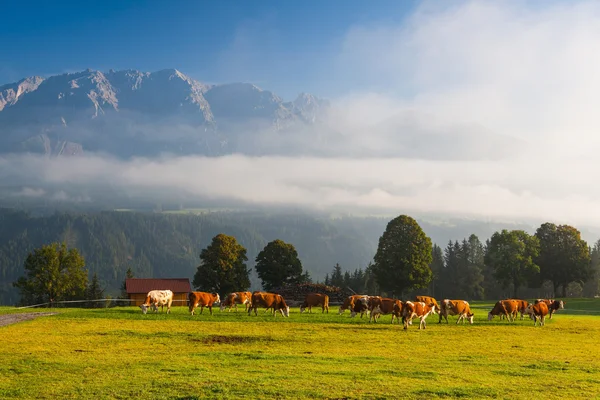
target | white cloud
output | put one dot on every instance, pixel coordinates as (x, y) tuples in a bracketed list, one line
[(516, 69)]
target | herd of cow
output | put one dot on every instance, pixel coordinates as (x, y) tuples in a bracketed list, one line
[(373, 306)]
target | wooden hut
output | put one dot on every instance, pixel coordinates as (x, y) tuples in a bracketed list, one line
[(138, 288)]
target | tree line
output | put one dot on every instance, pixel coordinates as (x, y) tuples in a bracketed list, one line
[(405, 261)]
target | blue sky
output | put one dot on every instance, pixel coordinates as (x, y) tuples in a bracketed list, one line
[(284, 46)]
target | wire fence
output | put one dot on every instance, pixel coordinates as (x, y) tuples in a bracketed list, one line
[(117, 302), (98, 303)]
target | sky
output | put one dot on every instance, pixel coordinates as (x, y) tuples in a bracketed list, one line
[(506, 92), (285, 46)]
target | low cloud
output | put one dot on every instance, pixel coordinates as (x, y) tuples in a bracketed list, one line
[(460, 188)]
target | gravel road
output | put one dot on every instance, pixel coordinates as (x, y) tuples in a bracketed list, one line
[(8, 319)]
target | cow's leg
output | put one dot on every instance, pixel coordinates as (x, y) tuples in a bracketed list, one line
[(542, 320), (210, 309)]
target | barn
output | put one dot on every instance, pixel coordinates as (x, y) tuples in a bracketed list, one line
[(138, 288)]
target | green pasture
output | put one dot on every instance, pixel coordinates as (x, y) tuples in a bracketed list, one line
[(121, 353)]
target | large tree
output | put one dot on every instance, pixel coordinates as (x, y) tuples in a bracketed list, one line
[(223, 267), (278, 264), (511, 255), (53, 273), (471, 266), (403, 257), (564, 257)]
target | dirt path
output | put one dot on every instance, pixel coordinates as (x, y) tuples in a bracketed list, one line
[(8, 319)]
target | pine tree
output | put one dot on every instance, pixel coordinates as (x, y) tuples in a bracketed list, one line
[(94, 292), (337, 278)]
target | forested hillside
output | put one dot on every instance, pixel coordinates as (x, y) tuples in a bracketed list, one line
[(169, 245)]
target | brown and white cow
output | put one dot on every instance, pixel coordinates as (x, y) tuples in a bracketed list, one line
[(456, 307), (349, 302), (522, 306), (156, 298), (202, 299), (427, 300), (553, 305), (314, 300), (235, 298), (383, 306), (538, 310), (417, 309), (269, 300), (508, 308)]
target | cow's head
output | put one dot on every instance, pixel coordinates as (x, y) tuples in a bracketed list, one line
[(561, 304), (490, 316), (302, 309), (144, 308), (285, 311), (217, 298), (470, 317)]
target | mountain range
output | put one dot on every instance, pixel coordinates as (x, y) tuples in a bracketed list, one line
[(132, 113), (129, 113)]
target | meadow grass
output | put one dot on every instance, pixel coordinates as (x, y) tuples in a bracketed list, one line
[(121, 353)]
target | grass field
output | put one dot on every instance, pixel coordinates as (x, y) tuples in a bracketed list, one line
[(121, 353)]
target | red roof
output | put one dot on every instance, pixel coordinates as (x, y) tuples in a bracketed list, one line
[(144, 285)]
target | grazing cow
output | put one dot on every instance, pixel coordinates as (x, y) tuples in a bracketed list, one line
[(349, 302), (427, 300), (553, 305), (417, 309), (202, 299), (508, 308), (235, 298), (269, 300), (156, 298), (538, 310), (385, 306), (314, 300), (456, 307), (363, 305), (522, 306)]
